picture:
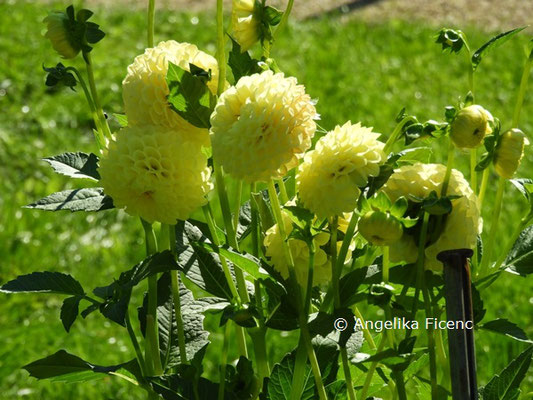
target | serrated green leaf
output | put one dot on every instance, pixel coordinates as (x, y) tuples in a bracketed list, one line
[(189, 95), (241, 63), (505, 386), (86, 199), (69, 311), (44, 282), (520, 258), (507, 328), (75, 165), (492, 44), (280, 381)]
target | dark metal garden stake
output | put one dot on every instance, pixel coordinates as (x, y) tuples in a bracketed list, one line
[(458, 295)]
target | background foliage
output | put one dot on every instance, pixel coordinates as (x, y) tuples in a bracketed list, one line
[(362, 71)]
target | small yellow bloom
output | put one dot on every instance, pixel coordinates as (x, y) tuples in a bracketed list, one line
[(145, 90), (59, 35), (261, 126), (155, 174), (470, 126), (462, 225), (379, 228), (509, 152), (342, 161), (245, 24)]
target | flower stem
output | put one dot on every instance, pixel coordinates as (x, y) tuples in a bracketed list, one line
[(483, 188), (298, 377), (152, 336), (473, 172), (400, 384), (449, 166), (372, 369), (237, 208), (223, 362), (395, 133), (282, 191), (431, 339), (94, 94), (335, 273), (522, 91), (221, 55), (151, 17), (284, 19), (487, 256), (136, 345), (366, 332)]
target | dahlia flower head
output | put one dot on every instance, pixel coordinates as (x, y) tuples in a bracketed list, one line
[(509, 152), (155, 173), (300, 252), (59, 36), (262, 126), (342, 161), (462, 225), (245, 24), (145, 90)]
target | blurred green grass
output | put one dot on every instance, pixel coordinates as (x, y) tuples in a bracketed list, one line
[(358, 71)]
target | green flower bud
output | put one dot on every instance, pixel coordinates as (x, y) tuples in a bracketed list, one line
[(470, 126), (509, 152), (60, 34), (379, 228)]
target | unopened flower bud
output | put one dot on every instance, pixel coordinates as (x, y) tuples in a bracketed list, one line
[(509, 152), (61, 35), (379, 228), (470, 126)]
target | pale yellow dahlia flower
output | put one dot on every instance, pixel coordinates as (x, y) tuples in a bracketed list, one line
[(462, 225), (245, 24), (331, 174), (59, 35), (145, 90), (261, 126), (155, 174), (470, 126), (300, 252), (509, 152)]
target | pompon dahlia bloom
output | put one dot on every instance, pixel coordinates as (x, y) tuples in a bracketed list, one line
[(462, 225), (261, 126), (300, 252), (145, 90), (331, 174), (245, 24), (510, 152), (59, 35), (155, 174)]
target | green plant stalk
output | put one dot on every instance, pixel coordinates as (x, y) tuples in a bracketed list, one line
[(522, 91), (449, 166), (151, 18), (366, 332), (335, 273), (282, 191), (94, 95), (312, 358), (298, 377), (223, 362), (152, 337), (221, 55), (395, 133), (241, 339), (473, 172), (347, 374), (483, 188), (487, 256), (98, 133), (400, 384), (372, 369), (284, 19), (431, 339), (388, 312), (238, 197), (136, 346)]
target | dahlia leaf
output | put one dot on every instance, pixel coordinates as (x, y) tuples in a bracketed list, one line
[(241, 63), (86, 199), (75, 165), (520, 259), (44, 282), (507, 328), (493, 43), (69, 311)]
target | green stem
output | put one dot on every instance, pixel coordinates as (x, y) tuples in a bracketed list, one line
[(483, 188), (449, 166), (366, 332), (372, 369), (282, 191), (312, 359), (298, 377), (522, 91), (431, 340), (237, 208), (151, 17), (284, 19), (400, 384), (386, 264), (135, 344), (152, 336), (179, 319), (221, 55), (388, 311), (473, 172), (347, 374), (223, 362), (98, 132), (395, 133), (335, 273), (487, 256), (94, 95)]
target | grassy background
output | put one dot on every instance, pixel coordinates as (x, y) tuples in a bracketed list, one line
[(361, 71)]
